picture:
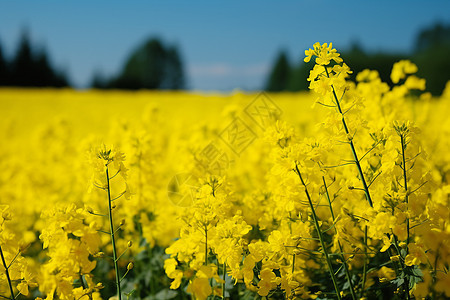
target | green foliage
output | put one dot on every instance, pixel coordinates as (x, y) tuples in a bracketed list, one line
[(279, 77), (147, 279), (432, 47), (434, 64), (151, 66), (29, 67)]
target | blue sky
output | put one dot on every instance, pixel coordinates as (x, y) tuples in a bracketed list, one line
[(224, 44)]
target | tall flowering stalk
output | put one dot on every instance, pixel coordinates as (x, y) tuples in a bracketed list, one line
[(342, 257), (6, 266), (320, 234), (328, 80), (107, 160), (3, 217), (14, 265), (70, 244)]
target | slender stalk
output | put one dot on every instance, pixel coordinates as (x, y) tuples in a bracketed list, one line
[(352, 146), (111, 224), (293, 264), (405, 184), (7, 274), (319, 232), (344, 263), (402, 266), (361, 174)]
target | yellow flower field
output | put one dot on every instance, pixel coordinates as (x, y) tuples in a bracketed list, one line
[(339, 193)]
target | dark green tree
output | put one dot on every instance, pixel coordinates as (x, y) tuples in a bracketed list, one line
[(437, 35), (4, 74), (280, 75), (22, 66), (358, 60), (432, 56), (43, 74), (151, 66), (174, 78), (299, 74), (32, 68)]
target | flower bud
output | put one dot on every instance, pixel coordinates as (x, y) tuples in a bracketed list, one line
[(130, 266), (395, 258), (99, 286), (130, 243), (99, 254)]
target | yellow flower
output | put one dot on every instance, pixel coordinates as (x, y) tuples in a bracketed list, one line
[(416, 255), (386, 273), (247, 270), (177, 276), (267, 282), (415, 83), (401, 69), (200, 288), (324, 54), (386, 243)]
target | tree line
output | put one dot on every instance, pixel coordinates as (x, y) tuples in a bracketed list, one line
[(152, 65), (431, 53), (156, 65), (29, 67)]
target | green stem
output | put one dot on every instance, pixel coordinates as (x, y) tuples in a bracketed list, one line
[(116, 267), (293, 264), (352, 146), (344, 262), (7, 274), (394, 265), (319, 233), (402, 266), (405, 184)]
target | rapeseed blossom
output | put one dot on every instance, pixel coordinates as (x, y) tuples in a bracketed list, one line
[(341, 200)]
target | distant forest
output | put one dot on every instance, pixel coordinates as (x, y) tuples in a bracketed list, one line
[(152, 65), (29, 67), (431, 54), (155, 65)]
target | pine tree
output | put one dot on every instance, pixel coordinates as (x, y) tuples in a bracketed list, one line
[(280, 74)]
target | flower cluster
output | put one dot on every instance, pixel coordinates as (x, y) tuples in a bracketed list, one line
[(70, 245), (13, 266), (348, 200)]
